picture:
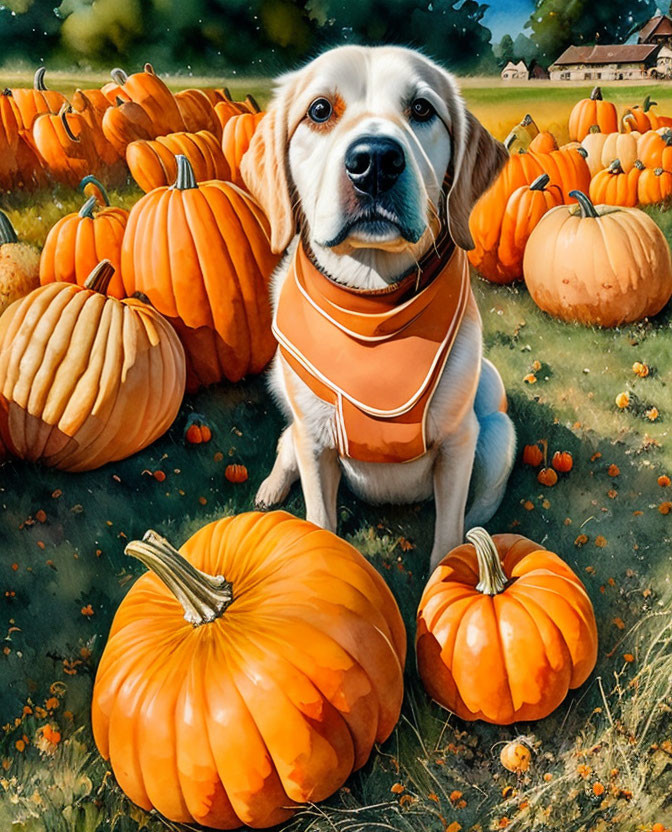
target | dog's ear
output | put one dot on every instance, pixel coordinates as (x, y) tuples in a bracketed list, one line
[(265, 171), (473, 170)]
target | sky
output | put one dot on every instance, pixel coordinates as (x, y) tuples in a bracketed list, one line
[(509, 16)]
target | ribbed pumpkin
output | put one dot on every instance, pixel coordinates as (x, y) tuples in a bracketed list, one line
[(522, 135), (238, 132), (593, 144), (621, 146), (19, 265), (65, 145), (124, 123), (643, 117), (29, 103), (79, 241), (524, 208), (92, 105), (655, 149), (9, 141), (152, 163), (485, 222), (248, 673), (197, 112), (567, 170), (613, 186), (201, 254), (226, 108), (543, 142), (86, 379), (505, 630), (609, 265), (114, 89), (654, 186), (592, 111), (148, 90)]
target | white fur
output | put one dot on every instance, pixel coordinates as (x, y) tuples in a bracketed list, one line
[(464, 423)]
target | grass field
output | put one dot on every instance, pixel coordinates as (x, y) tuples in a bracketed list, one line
[(602, 761)]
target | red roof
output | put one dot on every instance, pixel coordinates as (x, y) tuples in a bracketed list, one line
[(620, 53), (660, 25)]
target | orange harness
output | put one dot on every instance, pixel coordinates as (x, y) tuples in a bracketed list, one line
[(376, 355)]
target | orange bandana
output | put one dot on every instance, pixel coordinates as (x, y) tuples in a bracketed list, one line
[(376, 355)]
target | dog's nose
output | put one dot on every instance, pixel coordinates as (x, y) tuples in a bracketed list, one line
[(374, 163)]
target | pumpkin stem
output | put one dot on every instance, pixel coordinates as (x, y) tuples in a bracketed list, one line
[(91, 180), (7, 233), (638, 164), (658, 172), (526, 120), (118, 76), (149, 69), (582, 152), (540, 182), (615, 166), (185, 174), (509, 140), (226, 93), (100, 276), (585, 204), (7, 92), (647, 104), (86, 211), (63, 115), (492, 579), (596, 94), (38, 80), (119, 101), (203, 597), (594, 128), (252, 104)]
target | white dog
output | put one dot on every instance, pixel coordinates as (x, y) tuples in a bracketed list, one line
[(367, 166)]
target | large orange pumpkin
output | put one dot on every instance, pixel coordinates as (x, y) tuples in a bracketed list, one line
[(201, 254), (152, 163), (86, 379), (148, 90), (621, 146), (505, 630), (567, 169), (65, 145), (79, 241), (197, 112), (236, 137), (126, 122), (592, 111), (608, 266), (92, 106), (655, 149), (248, 673), (614, 186), (29, 103), (524, 208)]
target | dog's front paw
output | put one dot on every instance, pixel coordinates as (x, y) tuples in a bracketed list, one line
[(271, 493)]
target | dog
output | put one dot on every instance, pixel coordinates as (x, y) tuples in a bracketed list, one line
[(367, 165)]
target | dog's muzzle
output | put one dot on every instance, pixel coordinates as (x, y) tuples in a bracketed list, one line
[(373, 164)]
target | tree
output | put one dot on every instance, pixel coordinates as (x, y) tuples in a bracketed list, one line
[(504, 51), (557, 24)]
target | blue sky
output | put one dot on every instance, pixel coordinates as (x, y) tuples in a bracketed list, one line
[(509, 16)]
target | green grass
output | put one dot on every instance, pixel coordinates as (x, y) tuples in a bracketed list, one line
[(615, 730)]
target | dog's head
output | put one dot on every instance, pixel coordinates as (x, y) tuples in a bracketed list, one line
[(367, 148)]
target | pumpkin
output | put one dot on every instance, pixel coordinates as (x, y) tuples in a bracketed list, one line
[(592, 111), (522, 135), (79, 241), (654, 186), (643, 117), (567, 170), (65, 145), (613, 186), (516, 756), (19, 265), (114, 89), (197, 112), (124, 123), (610, 265), (236, 473), (9, 141), (236, 137), (86, 379), (197, 431), (547, 477), (505, 630), (248, 673), (532, 455), (226, 108), (621, 146), (485, 222), (152, 163), (655, 149), (593, 144), (543, 142), (29, 103), (92, 105), (148, 90), (562, 461), (524, 208), (201, 254)]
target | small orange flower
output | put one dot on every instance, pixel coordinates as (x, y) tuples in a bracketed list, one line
[(87, 611), (665, 508), (455, 796), (613, 470), (581, 540), (454, 827), (618, 622), (583, 770), (628, 657), (652, 414), (528, 505), (20, 745), (612, 493), (548, 777), (530, 378), (48, 739), (598, 789), (397, 788), (52, 703), (622, 400), (600, 541), (159, 476), (640, 369), (664, 481), (41, 515)]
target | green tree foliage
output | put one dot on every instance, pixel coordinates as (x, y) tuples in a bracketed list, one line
[(29, 30), (503, 51), (557, 24)]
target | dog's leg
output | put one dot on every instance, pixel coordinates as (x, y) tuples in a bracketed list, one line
[(452, 472), (320, 475), (275, 488)]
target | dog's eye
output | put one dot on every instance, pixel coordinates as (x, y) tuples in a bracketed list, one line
[(421, 110), (320, 110)]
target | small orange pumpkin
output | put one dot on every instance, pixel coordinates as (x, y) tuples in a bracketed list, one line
[(248, 673), (236, 137), (643, 117), (547, 477), (516, 756), (655, 149), (543, 142), (654, 186), (505, 630), (198, 431), (236, 473), (592, 111), (79, 241), (562, 461), (613, 186), (532, 455), (201, 254)]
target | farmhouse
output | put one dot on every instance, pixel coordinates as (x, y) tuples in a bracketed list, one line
[(515, 72)]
